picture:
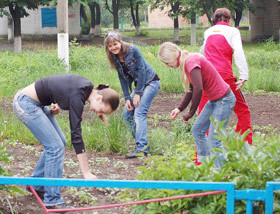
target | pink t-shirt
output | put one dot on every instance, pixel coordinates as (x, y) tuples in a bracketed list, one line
[(213, 84)]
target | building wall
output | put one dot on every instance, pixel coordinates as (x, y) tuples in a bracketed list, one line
[(160, 19), (32, 25), (266, 22)]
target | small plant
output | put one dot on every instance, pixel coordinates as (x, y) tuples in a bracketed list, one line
[(6, 189), (245, 165)]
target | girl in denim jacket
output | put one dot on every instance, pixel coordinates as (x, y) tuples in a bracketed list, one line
[(132, 67)]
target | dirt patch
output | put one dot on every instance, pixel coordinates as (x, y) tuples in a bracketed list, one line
[(265, 110), (105, 166)]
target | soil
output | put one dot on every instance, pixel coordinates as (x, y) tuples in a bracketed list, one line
[(265, 111)]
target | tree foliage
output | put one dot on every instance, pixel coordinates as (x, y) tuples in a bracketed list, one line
[(22, 4), (208, 7)]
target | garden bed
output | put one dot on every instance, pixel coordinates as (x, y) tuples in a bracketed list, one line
[(114, 166)]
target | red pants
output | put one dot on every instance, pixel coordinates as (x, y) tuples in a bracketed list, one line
[(241, 109)]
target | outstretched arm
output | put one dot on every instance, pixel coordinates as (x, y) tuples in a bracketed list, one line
[(82, 158)]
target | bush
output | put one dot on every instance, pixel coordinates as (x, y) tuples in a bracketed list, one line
[(247, 166)]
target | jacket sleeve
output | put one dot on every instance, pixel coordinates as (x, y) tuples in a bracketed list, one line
[(141, 72), (76, 107), (239, 56), (125, 87)]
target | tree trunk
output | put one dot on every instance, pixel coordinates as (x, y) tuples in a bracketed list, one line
[(175, 9), (135, 19), (92, 19), (138, 29), (238, 16), (206, 11), (10, 29), (176, 30), (83, 13), (193, 29), (115, 5), (15, 12), (98, 19)]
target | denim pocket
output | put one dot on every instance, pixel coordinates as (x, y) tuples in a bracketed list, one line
[(20, 113)]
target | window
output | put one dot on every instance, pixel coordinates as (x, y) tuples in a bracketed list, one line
[(48, 17)]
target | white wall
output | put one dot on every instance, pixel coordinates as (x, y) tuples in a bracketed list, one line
[(4, 26), (32, 25)]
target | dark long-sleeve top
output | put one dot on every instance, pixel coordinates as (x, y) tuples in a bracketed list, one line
[(194, 94), (70, 92)]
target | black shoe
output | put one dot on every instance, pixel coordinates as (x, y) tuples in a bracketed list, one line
[(60, 206), (136, 154), (39, 192)]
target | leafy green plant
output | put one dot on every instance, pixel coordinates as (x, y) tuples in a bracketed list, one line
[(247, 166), (4, 158)]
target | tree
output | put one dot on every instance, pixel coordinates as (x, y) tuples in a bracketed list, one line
[(174, 12), (17, 9), (208, 7), (95, 18), (115, 11), (135, 16), (134, 6)]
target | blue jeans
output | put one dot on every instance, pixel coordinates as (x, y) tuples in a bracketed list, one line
[(220, 110), (137, 118), (45, 128)]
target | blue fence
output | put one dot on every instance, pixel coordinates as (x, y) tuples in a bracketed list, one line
[(249, 195)]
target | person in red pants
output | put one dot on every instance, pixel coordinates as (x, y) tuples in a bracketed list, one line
[(221, 42)]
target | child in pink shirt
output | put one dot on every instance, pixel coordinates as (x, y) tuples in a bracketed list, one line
[(200, 75)]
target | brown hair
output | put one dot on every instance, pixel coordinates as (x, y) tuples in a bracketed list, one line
[(111, 97), (169, 53), (114, 37), (221, 14)]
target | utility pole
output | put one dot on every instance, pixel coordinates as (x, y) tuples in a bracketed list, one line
[(193, 30), (62, 34)]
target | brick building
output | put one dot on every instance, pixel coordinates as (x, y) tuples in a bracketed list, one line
[(266, 22), (160, 19)]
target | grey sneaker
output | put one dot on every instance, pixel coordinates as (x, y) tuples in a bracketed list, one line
[(135, 154)]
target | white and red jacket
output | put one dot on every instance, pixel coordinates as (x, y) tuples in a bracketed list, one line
[(221, 41)]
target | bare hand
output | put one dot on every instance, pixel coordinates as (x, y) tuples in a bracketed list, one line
[(174, 113), (89, 176), (239, 84), (128, 105), (136, 100), (55, 108)]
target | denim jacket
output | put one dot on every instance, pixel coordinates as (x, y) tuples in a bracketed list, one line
[(143, 72)]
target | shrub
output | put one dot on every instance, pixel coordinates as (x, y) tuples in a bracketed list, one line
[(247, 166)]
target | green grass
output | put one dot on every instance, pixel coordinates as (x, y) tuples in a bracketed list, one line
[(19, 70)]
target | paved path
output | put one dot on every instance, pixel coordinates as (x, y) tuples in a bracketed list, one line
[(6, 46)]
